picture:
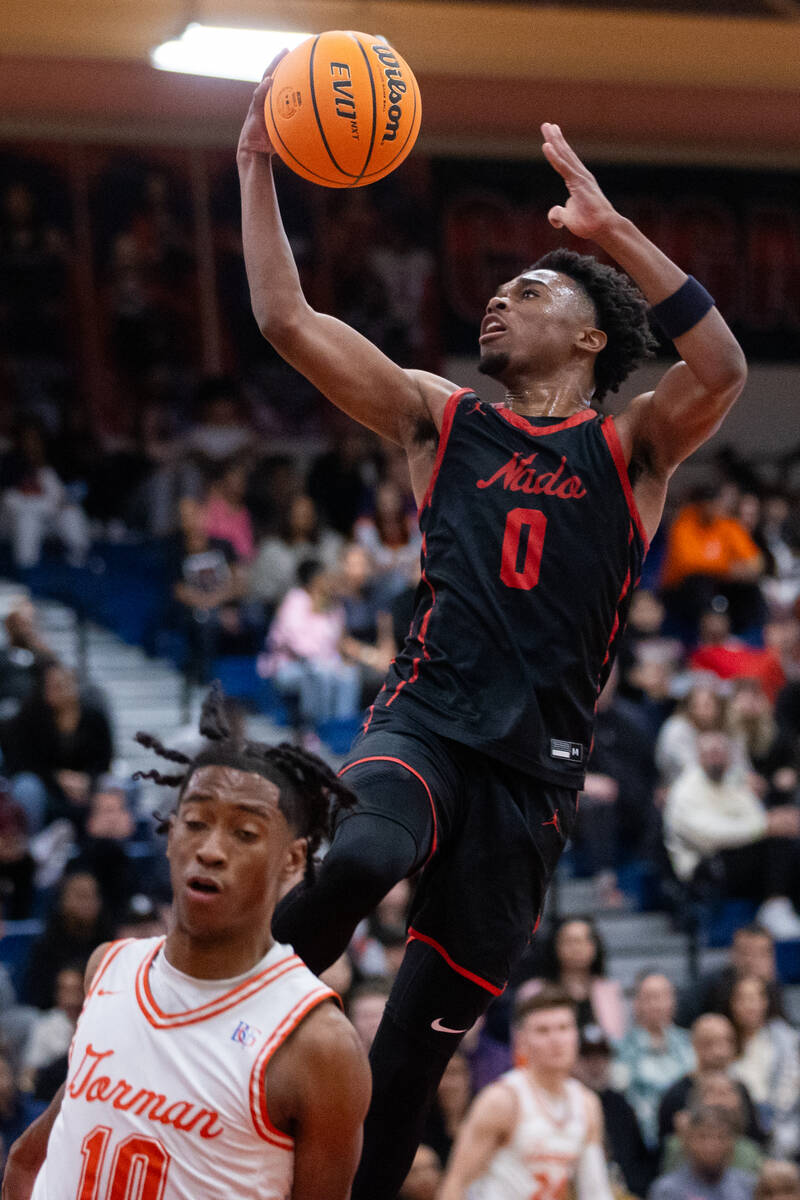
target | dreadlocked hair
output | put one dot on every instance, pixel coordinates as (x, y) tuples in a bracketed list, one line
[(310, 793), (622, 314)]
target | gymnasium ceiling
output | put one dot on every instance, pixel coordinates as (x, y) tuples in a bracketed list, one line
[(696, 78)]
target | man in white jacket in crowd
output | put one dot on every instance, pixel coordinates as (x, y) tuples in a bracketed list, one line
[(717, 829)]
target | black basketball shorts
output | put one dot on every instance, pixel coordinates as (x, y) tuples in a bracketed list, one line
[(495, 839)]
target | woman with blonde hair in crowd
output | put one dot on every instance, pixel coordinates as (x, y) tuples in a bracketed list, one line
[(768, 1062)]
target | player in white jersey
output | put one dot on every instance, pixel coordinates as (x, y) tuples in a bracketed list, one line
[(211, 1064), (536, 1132)]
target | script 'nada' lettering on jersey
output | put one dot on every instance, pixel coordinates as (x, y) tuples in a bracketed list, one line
[(519, 475)]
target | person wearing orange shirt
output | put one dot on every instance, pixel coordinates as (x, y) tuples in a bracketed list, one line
[(711, 554)]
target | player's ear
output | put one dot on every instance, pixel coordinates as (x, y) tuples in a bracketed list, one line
[(295, 862), (593, 340)]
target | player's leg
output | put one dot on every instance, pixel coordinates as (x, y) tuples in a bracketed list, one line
[(430, 1009), (386, 837), (472, 919)]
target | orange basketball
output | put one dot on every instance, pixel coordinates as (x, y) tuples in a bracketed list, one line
[(344, 109)]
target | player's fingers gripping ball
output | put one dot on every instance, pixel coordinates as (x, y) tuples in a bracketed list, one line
[(344, 109)]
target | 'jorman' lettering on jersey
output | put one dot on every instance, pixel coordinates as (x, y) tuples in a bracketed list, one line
[(123, 1096), (517, 475)]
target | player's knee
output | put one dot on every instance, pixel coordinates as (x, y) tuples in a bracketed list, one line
[(367, 859)]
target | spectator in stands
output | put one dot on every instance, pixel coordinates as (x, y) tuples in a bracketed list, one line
[(35, 504), (711, 554), (729, 657), (304, 657), (365, 1005), (208, 583), (773, 535), (715, 1049), (75, 927), (714, 1089), (392, 539), (104, 844), (778, 1181), (425, 1176), (653, 1053), (342, 480), (300, 539), (58, 744), (52, 1031), (709, 1140), (574, 958), (721, 839), (22, 658), (220, 431), (225, 514), (17, 1110), (752, 726), (618, 817), (624, 1139), (752, 952), (768, 1064), (16, 861), (369, 638), (702, 711)]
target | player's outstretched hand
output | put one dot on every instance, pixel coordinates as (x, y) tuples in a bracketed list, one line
[(587, 213), (254, 138)]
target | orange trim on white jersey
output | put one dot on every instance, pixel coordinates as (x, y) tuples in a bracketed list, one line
[(258, 1077), (105, 962), (243, 991)]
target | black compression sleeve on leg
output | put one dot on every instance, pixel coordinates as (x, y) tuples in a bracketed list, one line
[(430, 1009), (368, 856)]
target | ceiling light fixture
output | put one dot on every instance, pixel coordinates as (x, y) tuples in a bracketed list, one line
[(223, 51)]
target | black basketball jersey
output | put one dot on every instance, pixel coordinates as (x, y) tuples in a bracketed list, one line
[(531, 546)]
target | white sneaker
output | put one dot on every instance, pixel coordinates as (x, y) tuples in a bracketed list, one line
[(778, 916)]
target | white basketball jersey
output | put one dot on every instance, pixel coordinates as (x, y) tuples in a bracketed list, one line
[(165, 1096), (539, 1161)]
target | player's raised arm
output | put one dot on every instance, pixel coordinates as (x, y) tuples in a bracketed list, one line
[(337, 360), (488, 1126), (687, 406)]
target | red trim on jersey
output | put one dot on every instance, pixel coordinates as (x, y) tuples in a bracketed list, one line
[(399, 761), (414, 934), (371, 709), (586, 414), (105, 962), (444, 434), (423, 629), (258, 1083), (615, 626), (213, 1008), (618, 454)]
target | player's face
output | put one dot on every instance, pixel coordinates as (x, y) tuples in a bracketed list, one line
[(231, 850), (536, 321), (549, 1040)]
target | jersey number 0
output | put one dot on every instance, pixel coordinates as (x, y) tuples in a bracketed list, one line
[(138, 1172), (521, 522)]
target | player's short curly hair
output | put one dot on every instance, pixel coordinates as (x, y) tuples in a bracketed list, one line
[(309, 791), (621, 314)]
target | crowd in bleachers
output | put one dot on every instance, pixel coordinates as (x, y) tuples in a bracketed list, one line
[(291, 574)]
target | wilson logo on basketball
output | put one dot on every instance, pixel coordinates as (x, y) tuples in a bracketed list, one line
[(289, 100), (397, 90), (518, 475)]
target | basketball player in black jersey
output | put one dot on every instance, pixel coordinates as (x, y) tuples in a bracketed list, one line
[(535, 520)]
